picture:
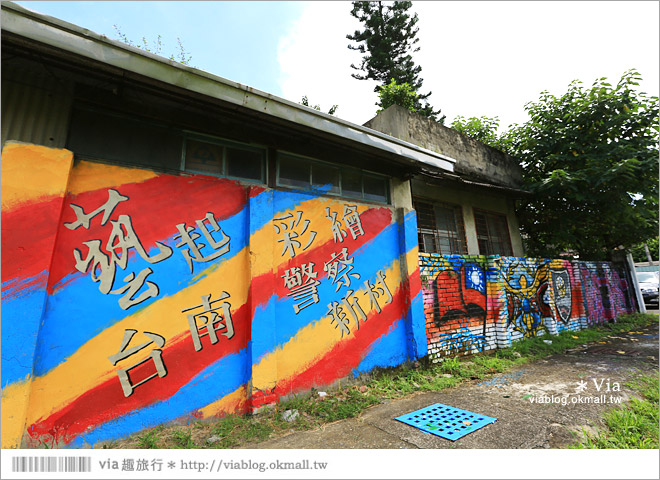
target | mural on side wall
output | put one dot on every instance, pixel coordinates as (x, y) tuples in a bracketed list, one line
[(525, 284), (522, 297), (158, 307), (455, 301)]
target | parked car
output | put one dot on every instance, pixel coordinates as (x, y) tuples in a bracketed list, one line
[(649, 284)]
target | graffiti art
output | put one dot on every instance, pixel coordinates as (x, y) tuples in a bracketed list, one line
[(561, 287)]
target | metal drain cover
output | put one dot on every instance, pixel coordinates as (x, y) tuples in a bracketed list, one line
[(445, 421)]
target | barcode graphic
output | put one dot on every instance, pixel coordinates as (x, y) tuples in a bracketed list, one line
[(51, 464)]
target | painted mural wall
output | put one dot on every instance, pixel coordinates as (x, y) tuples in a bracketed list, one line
[(478, 303), (132, 298)]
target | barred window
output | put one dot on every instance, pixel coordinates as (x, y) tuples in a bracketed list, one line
[(440, 228), (492, 233)]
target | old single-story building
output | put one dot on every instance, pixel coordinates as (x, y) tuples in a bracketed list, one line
[(176, 245)]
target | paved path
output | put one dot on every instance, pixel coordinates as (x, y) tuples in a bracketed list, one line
[(521, 423)]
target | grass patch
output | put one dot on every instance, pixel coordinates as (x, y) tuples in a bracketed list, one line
[(391, 383), (634, 425)]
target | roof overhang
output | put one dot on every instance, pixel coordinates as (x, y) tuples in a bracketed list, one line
[(85, 43)]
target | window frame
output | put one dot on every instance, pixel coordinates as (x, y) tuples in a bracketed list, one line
[(456, 238), (340, 170), (224, 143), (507, 238)]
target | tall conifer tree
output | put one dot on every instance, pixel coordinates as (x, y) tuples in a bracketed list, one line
[(388, 39)]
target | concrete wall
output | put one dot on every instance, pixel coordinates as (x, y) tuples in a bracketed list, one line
[(473, 158), (476, 303), (132, 298)]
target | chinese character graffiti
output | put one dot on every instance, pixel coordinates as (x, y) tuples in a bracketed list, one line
[(338, 311), (193, 253), (289, 233), (352, 223), (212, 321), (374, 291), (121, 240), (156, 355), (339, 269), (303, 290)]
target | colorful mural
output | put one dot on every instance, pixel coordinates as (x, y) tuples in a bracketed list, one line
[(476, 303), (454, 289), (132, 298)]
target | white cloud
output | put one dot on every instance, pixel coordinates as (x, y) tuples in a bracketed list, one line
[(315, 61), (478, 58)]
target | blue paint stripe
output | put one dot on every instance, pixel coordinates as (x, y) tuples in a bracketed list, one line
[(78, 312), (369, 258), (211, 384), (416, 317), (21, 318), (387, 351)]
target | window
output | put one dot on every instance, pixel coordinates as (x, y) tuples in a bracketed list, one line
[(440, 228), (100, 135), (492, 233), (225, 159), (317, 176)]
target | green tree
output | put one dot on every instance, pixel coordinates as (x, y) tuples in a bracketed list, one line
[(387, 40), (590, 157), (639, 251), (483, 129), (395, 94), (305, 102), (156, 47)]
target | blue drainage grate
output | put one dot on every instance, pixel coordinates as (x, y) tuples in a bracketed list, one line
[(445, 421)]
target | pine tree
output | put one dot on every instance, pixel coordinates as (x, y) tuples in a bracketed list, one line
[(388, 39)]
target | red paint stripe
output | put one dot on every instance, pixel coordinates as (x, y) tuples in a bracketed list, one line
[(348, 353), (107, 401), (28, 236), (155, 206)]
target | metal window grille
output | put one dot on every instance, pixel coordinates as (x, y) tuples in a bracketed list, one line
[(440, 228), (492, 233)]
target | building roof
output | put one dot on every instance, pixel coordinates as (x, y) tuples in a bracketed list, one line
[(75, 40)]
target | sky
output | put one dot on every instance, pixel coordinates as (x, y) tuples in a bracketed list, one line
[(477, 58)]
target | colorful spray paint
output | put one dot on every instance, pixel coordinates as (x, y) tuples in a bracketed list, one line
[(133, 298)]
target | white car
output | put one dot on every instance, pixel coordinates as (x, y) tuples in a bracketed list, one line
[(649, 284)]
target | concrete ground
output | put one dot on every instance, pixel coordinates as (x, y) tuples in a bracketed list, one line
[(521, 422)]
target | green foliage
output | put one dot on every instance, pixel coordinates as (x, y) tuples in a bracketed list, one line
[(156, 47), (305, 102), (639, 252), (634, 425), (387, 40), (149, 439), (483, 129), (183, 439), (395, 94), (235, 430), (590, 158)]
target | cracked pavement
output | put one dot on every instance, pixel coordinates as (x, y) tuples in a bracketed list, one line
[(589, 371)]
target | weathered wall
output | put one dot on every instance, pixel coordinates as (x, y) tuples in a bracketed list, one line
[(473, 158), (477, 303), (131, 298)]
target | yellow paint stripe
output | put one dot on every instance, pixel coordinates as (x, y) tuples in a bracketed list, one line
[(32, 173), (54, 390), (89, 365), (225, 405), (88, 176), (13, 404), (316, 339)]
